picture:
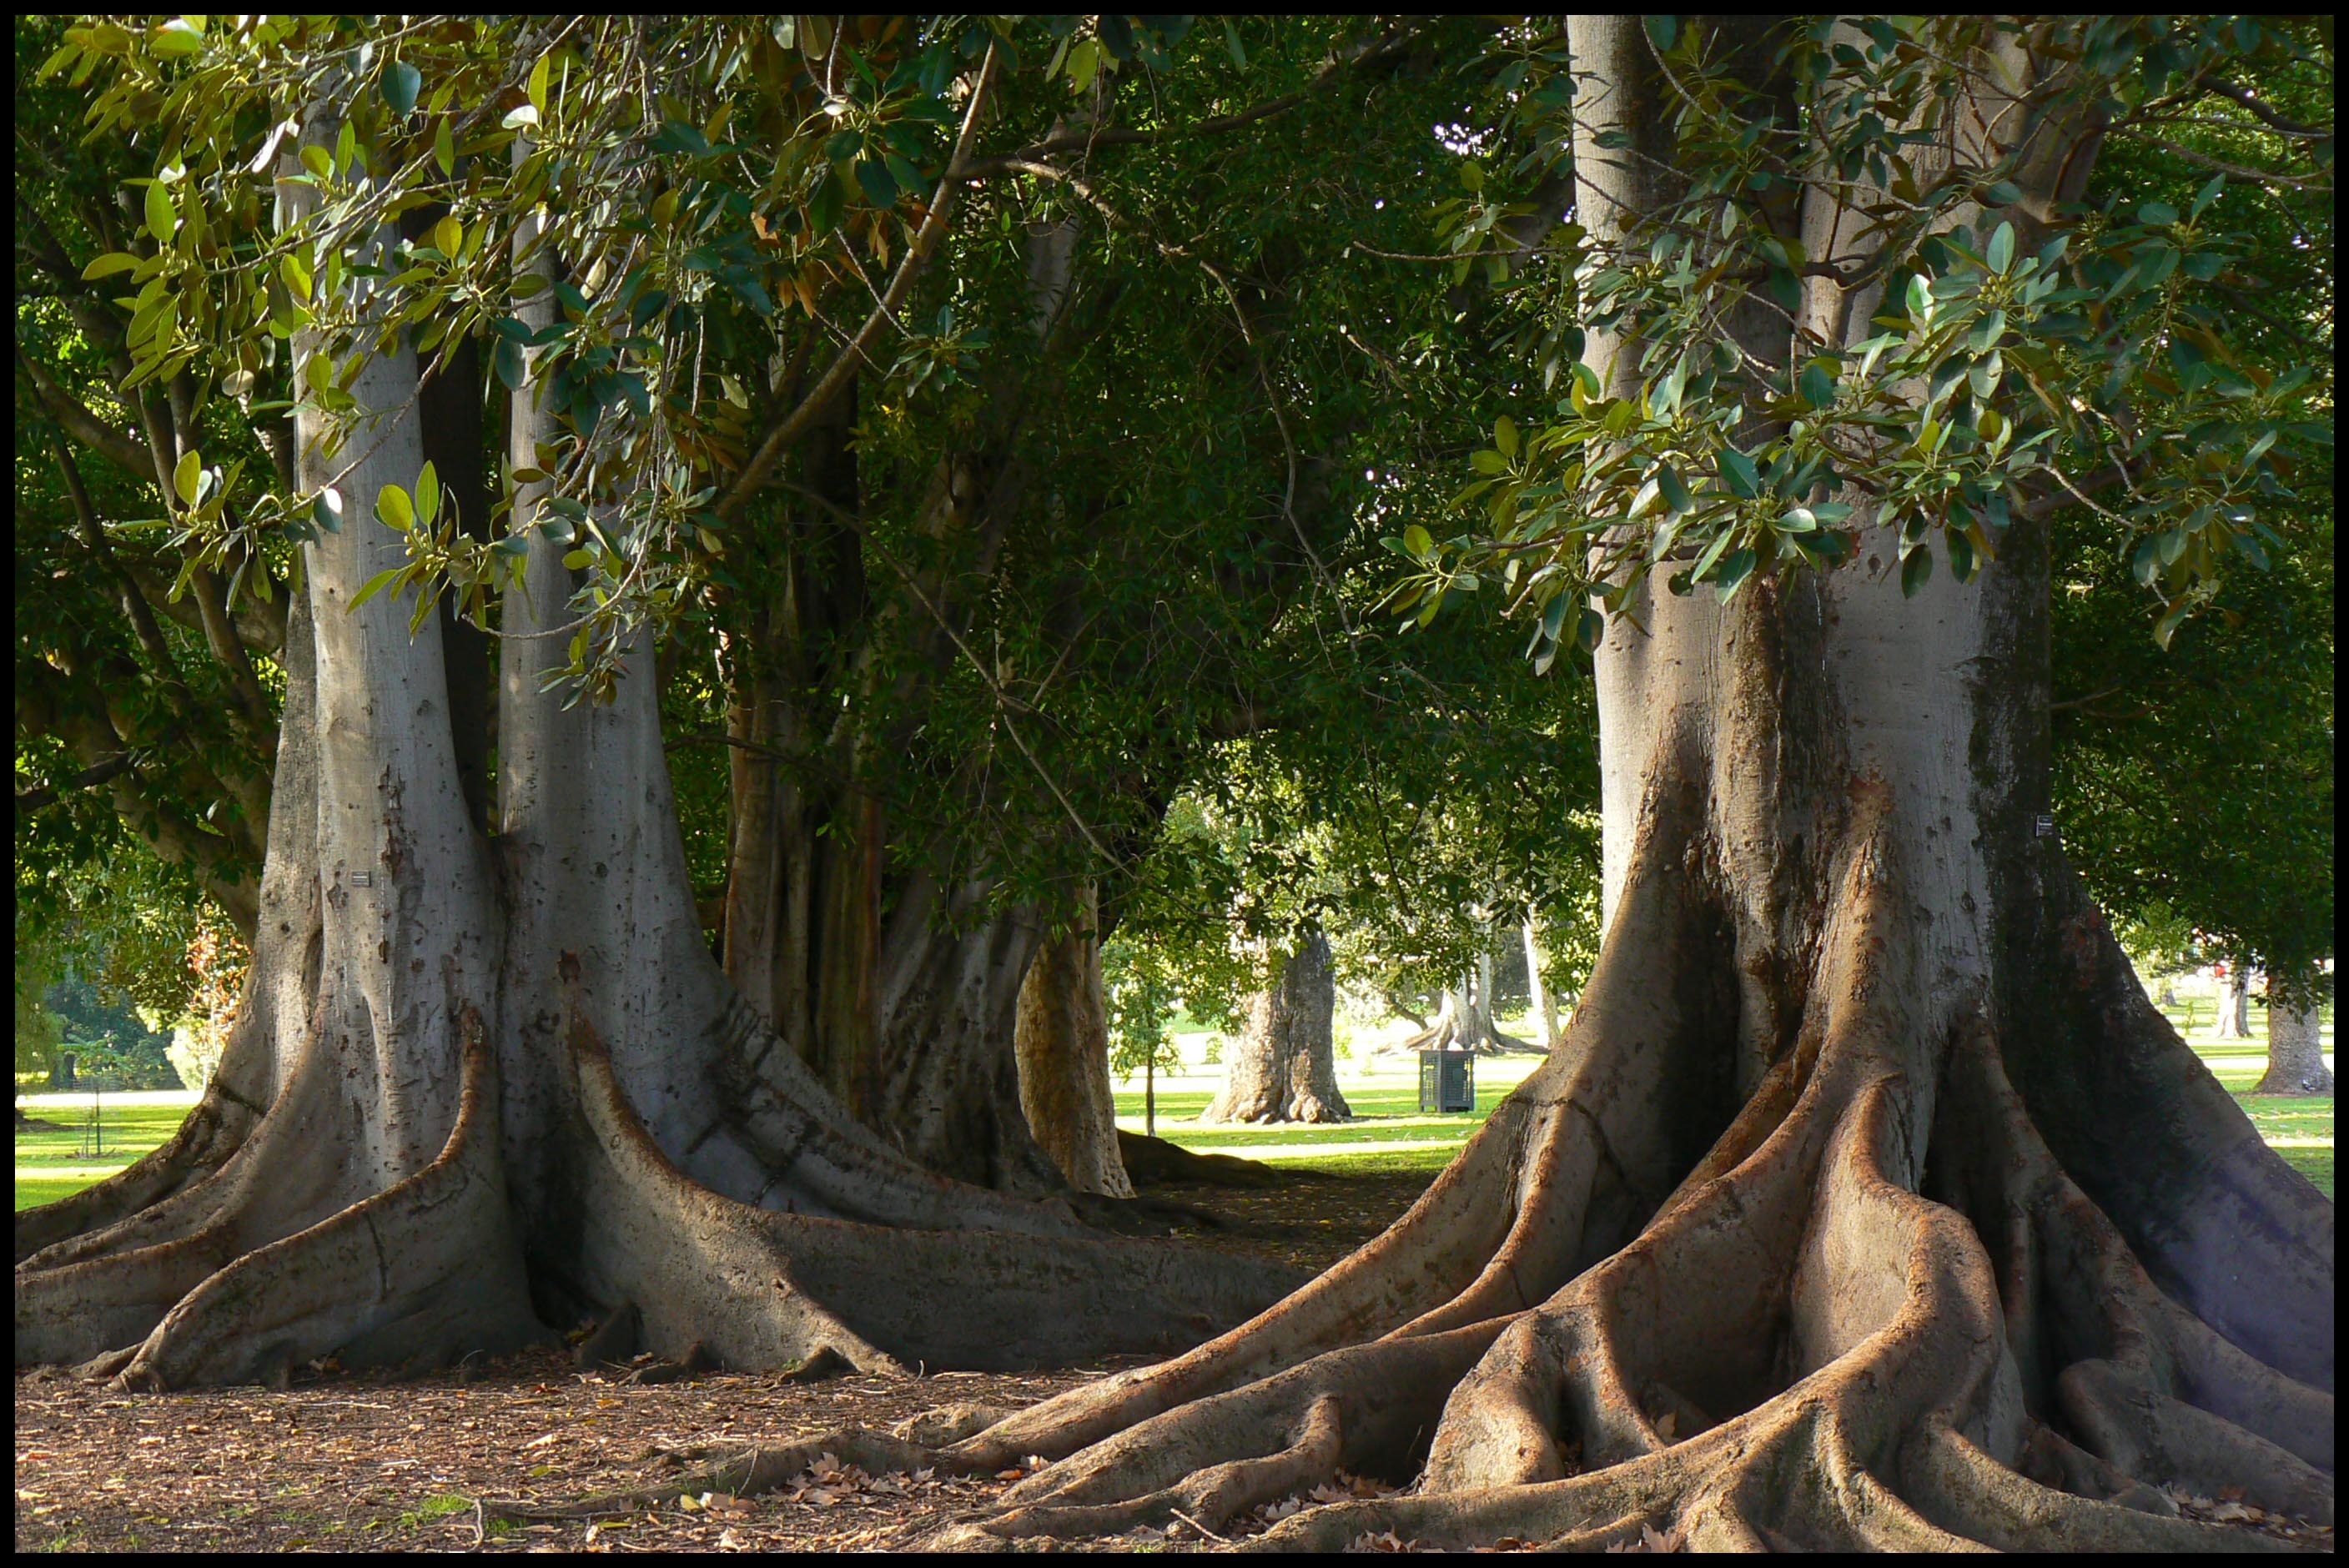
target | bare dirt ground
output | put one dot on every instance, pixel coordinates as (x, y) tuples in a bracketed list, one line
[(342, 1462)]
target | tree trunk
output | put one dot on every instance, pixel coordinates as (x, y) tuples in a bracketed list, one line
[(2295, 1043), (1867, 1201), (1463, 1022), (1544, 1003), (2235, 1003), (1061, 1040), (478, 1087), (1283, 1068)]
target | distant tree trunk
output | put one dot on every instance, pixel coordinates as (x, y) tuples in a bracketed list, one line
[(1283, 1068), (1060, 1037), (2296, 1047), (1465, 1021), (1545, 1001), (2234, 1003)]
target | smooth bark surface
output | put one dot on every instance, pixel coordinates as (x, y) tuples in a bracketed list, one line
[(2296, 1047), (1283, 1068), (481, 1090), (1061, 1039), (2234, 1005), (1865, 1204)]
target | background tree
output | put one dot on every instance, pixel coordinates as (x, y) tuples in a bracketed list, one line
[(1841, 325), (970, 689)]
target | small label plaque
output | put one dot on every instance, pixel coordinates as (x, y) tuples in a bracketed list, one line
[(2044, 826), (366, 878)]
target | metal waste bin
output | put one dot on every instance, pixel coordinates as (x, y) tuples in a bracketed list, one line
[(1447, 1081)]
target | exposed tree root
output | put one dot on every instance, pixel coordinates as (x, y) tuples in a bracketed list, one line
[(1874, 1313), (756, 1287)]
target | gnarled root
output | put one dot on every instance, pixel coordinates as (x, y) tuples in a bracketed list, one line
[(1874, 1314), (756, 1287), (416, 1272)]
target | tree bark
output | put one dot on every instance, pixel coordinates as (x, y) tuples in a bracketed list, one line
[(2295, 1043), (1867, 1202), (1283, 1068), (479, 1089), (2234, 1003), (1545, 1003), (1463, 1021), (1061, 1040)]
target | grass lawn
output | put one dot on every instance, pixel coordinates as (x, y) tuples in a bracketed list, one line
[(50, 1164), (1392, 1136)]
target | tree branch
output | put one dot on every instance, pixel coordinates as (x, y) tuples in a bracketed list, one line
[(78, 421), (135, 608), (795, 424), (88, 779)]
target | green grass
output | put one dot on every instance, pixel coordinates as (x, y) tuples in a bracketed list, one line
[(1384, 1093), (49, 1165)]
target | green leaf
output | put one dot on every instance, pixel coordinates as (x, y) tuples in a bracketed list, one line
[(1417, 540), (574, 559), (163, 218), (879, 185), (444, 148), (1962, 556), (1734, 569), (1232, 44), (1505, 436), (1818, 386), (1916, 567), (315, 159), (513, 545), (512, 367), (427, 495), (2156, 214), (181, 35), (2208, 194), (294, 275), (2001, 248), (1662, 30), (1593, 627), (1675, 490), (327, 510), (394, 510), (520, 116), (400, 84), (188, 475), (1799, 520), (1738, 471), (1485, 461), (373, 586), (108, 265), (558, 531), (538, 77)]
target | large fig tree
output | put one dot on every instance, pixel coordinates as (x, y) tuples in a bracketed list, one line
[(1867, 1202), (812, 349)]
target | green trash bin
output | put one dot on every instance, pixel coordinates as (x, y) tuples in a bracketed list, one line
[(1447, 1081)]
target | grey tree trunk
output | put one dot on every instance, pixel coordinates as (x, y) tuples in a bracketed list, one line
[(1865, 1153), (483, 1089), (1283, 1068), (1061, 1040), (1463, 1022), (2235, 1003), (1545, 1003), (2295, 1042)]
